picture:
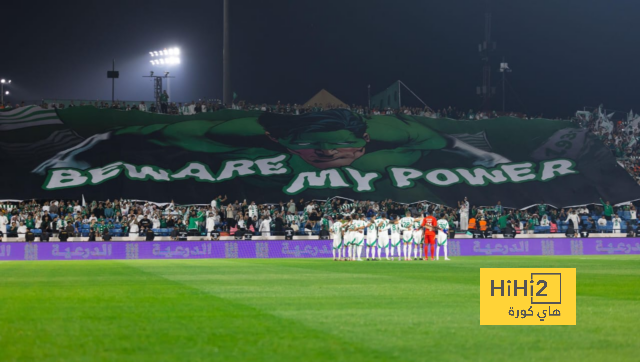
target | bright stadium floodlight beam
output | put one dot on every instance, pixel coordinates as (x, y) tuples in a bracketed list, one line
[(6, 93), (151, 61), (9, 81), (151, 53), (161, 61), (2, 81), (156, 53)]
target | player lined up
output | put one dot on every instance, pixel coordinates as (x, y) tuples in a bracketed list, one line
[(401, 235)]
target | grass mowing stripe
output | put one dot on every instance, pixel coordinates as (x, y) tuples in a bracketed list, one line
[(112, 311), (415, 311), (355, 311)]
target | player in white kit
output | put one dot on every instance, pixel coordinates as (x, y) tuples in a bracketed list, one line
[(395, 243), (358, 227), (418, 239), (441, 237), (336, 232), (383, 235), (348, 238), (406, 225), (372, 238)]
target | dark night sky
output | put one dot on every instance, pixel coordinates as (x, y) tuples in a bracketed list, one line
[(565, 53)]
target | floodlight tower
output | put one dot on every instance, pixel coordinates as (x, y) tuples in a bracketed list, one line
[(504, 69), (165, 58), (486, 91), (2, 91), (227, 97)]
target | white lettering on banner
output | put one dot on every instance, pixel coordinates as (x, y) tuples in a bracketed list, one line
[(519, 172), (60, 179), (359, 181), (100, 175), (403, 177), (324, 179), (557, 167), (364, 181), (231, 169)]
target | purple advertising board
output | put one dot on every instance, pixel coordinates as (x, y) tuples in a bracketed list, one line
[(298, 249)]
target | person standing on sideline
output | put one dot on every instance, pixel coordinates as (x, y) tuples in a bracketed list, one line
[(336, 233), (406, 225), (429, 223), (372, 238), (464, 214), (443, 228), (383, 235)]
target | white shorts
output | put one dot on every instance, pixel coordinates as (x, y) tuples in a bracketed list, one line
[(441, 238), (383, 240), (358, 238), (407, 236), (395, 239), (348, 238), (372, 238), (417, 237), (337, 242)]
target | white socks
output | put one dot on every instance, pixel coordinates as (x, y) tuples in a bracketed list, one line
[(359, 251), (444, 247)]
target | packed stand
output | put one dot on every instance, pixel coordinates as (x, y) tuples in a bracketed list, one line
[(119, 218)]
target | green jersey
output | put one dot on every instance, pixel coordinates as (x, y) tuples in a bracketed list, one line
[(542, 209)]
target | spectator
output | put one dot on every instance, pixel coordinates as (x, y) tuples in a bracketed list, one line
[(617, 224), (22, 231), (608, 210), (602, 222), (164, 101)]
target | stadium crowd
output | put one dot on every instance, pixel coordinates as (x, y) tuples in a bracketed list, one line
[(313, 217)]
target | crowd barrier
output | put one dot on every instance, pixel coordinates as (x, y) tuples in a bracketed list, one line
[(248, 249)]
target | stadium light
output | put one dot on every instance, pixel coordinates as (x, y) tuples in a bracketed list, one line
[(166, 56), (2, 91)]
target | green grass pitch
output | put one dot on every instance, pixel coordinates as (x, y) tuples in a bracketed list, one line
[(302, 310)]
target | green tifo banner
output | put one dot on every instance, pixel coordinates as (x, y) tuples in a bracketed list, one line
[(270, 157)]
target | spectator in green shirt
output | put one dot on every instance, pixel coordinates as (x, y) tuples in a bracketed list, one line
[(608, 209), (542, 208), (502, 222)]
